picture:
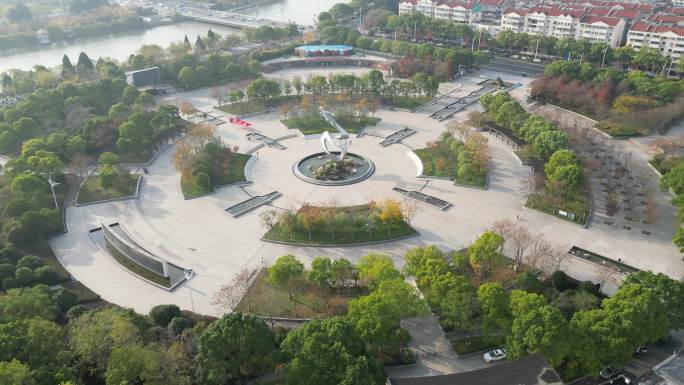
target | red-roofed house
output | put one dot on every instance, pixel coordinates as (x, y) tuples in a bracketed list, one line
[(601, 29), (456, 11), (514, 19), (669, 40)]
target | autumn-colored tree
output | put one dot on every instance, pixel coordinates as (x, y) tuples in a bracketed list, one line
[(390, 214), (186, 108)]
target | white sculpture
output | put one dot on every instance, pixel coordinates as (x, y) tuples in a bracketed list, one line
[(338, 143)]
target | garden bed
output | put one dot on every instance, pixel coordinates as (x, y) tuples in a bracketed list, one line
[(356, 217), (227, 167), (268, 300), (579, 206), (440, 159), (476, 343), (91, 190), (317, 124)]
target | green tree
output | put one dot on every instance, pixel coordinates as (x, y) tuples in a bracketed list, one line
[(67, 68), (109, 158), (39, 344), (286, 272), (484, 252), (108, 175), (163, 314), (456, 298), (94, 335), (376, 316), (494, 303), (329, 352), (16, 373), (670, 293), (376, 268), (27, 303), (321, 271), (235, 348), (539, 330)]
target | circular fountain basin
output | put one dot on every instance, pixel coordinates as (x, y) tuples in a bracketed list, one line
[(305, 169)]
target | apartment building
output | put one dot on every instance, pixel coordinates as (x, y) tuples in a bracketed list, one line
[(594, 20), (469, 11), (668, 39), (456, 11), (601, 29)]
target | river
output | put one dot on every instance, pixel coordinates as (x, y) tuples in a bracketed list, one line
[(120, 46)]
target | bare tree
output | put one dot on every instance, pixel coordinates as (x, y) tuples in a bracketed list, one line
[(229, 296), (650, 208), (409, 209), (539, 250), (219, 94), (503, 228), (607, 276), (520, 241), (268, 218)]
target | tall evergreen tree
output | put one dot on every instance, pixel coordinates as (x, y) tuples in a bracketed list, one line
[(84, 62), (199, 44), (67, 67), (6, 83)]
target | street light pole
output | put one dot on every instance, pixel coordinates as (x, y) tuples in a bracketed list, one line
[(415, 28), (536, 49), (52, 187), (605, 51)]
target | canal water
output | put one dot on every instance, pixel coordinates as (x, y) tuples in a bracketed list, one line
[(120, 46)]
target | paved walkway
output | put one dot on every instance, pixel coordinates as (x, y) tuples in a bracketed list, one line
[(435, 354)]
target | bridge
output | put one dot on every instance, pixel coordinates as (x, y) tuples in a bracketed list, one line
[(229, 19)]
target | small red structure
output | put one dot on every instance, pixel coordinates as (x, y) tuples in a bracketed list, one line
[(240, 122)]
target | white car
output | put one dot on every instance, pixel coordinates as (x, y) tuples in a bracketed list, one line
[(495, 355)]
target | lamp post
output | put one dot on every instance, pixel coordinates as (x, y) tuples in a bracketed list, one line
[(605, 51), (53, 184), (188, 274)]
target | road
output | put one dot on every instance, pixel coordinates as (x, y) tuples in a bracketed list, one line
[(514, 67), (228, 18)]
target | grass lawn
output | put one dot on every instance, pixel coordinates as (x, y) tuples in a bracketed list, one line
[(254, 106), (317, 124), (231, 169), (137, 269), (310, 301), (579, 205), (92, 191), (191, 188), (243, 108), (476, 343)]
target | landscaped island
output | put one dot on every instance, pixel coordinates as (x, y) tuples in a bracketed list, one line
[(331, 225), (465, 163), (93, 189), (311, 125), (205, 164)]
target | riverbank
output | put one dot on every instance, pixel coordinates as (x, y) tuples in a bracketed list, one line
[(118, 46)]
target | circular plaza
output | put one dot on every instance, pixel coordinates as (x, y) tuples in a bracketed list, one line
[(204, 236)]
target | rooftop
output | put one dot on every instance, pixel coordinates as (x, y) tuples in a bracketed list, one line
[(530, 370)]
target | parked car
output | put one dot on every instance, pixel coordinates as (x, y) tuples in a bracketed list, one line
[(640, 351), (609, 372), (495, 355)]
